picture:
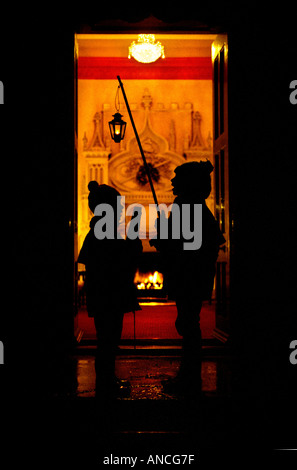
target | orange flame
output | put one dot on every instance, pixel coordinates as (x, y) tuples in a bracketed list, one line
[(148, 280)]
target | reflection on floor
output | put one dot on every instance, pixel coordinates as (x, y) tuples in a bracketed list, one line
[(145, 374), (150, 421)]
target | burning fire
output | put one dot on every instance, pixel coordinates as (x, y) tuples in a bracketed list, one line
[(149, 280)]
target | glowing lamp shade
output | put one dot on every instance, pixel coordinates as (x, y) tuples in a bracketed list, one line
[(117, 127), (146, 49)]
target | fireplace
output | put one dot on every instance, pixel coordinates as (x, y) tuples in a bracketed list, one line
[(149, 285), (149, 280)]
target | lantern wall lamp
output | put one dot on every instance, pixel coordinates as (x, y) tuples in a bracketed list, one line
[(117, 126)]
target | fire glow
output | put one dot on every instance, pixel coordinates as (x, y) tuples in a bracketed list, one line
[(146, 281)]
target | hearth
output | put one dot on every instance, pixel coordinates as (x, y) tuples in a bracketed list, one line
[(148, 280)]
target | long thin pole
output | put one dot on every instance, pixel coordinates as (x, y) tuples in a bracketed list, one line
[(139, 143)]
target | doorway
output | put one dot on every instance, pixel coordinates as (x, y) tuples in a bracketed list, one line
[(175, 102)]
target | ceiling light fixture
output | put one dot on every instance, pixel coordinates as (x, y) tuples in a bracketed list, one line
[(146, 50)]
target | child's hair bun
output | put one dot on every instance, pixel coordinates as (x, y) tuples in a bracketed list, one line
[(93, 186)]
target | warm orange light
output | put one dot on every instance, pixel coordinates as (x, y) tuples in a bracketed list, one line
[(117, 127), (149, 280), (146, 50)]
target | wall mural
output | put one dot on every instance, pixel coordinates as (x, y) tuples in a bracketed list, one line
[(124, 168)]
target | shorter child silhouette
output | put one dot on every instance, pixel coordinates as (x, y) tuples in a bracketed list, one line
[(110, 290)]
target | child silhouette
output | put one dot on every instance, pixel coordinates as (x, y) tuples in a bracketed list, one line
[(110, 292), (189, 274)]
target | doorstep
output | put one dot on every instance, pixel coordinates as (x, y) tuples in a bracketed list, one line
[(210, 347)]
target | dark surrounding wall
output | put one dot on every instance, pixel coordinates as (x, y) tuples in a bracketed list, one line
[(37, 119)]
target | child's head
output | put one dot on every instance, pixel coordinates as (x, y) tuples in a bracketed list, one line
[(193, 179), (102, 194)]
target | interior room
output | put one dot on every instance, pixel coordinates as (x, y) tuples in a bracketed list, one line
[(171, 100)]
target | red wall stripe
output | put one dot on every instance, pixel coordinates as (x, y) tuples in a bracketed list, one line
[(175, 68)]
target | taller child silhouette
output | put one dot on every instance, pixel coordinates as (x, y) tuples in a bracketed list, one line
[(189, 274), (110, 292)]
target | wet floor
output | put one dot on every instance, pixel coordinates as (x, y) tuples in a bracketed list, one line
[(149, 420), (146, 374)]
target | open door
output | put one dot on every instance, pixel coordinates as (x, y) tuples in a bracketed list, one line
[(77, 331), (221, 180)]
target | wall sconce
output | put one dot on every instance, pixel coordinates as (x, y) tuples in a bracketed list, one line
[(117, 126)]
